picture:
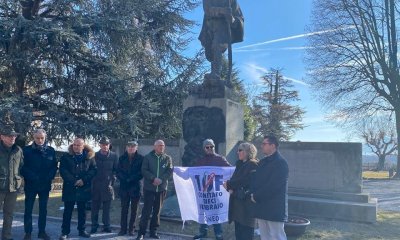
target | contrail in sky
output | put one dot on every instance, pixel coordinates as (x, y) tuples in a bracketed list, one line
[(290, 38)]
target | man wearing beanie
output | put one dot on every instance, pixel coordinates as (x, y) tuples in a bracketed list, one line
[(211, 159)]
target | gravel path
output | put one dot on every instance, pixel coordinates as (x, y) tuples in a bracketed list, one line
[(53, 228), (386, 191)]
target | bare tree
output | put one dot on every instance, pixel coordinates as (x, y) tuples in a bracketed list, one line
[(380, 136), (353, 59)]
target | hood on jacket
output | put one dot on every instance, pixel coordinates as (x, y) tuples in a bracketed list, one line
[(90, 152)]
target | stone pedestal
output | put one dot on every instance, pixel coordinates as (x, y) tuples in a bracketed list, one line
[(213, 112)]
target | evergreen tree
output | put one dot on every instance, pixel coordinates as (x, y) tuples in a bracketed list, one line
[(94, 67), (273, 108)]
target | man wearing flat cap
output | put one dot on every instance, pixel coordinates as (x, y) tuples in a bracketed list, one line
[(11, 161), (129, 175), (211, 159), (102, 184)]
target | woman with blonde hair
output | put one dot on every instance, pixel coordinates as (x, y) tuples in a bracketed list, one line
[(238, 187)]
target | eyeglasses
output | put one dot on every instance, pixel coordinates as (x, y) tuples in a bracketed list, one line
[(209, 147), (239, 150)]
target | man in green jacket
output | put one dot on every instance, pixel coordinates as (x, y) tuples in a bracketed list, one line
[(156, 170), (11, 161)]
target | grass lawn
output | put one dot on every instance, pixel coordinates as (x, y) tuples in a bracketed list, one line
[(375, 174), (387, 227)]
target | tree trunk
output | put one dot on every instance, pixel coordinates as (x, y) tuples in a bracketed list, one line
[(381, 163), (397, 113)]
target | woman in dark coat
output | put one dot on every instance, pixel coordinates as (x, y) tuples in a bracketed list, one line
[(238, 186), (129, 175)]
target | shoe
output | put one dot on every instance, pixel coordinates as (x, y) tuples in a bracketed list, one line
[(93, 230), (43, 235), (63, 237), (140, 237), (84, 234), (122, 233), (218, 237), (154, 235), (200, 236), (107, 230), (27, 236), (131, 232)]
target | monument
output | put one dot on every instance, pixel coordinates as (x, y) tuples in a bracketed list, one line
[(213, 110)]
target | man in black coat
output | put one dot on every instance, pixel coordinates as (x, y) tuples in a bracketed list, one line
[(77, 169), (129, 175), (269, 186), (38, 171), (102, 185)]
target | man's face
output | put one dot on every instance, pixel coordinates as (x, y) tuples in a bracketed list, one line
[(209, 149), (78, 146), (267, 147), (131, 149), (104, 147), (159, 147), (39, 138), (8, 140)]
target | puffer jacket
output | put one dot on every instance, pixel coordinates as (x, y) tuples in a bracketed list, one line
[(72, 170)]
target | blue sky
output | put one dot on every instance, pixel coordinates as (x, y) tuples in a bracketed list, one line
[(274, 38)]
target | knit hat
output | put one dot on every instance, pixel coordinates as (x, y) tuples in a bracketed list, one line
[(207, 142)]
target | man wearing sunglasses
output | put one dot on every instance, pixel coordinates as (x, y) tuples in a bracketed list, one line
[(211, 159)]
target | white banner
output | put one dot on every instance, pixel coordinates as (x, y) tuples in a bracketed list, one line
[(201, 195)]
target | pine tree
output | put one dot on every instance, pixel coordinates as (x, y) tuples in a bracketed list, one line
[(273, 107), (94, 67)]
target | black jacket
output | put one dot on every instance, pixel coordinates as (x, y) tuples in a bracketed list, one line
[(40, 167), (240, 206), (129, 174), (71, 171), (269, 186)]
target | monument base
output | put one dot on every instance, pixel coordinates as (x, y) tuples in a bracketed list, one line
[(340, 206)]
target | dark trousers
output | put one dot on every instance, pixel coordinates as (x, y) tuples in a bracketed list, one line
[(68, 209), (7, 203), (30, 197), (153, 202), (125, 202), (243, 232), (95, 208)]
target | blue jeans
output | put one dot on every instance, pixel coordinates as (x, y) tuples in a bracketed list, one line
[(217, 229)]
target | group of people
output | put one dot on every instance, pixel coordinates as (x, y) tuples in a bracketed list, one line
[(258, 188), (87, 176)]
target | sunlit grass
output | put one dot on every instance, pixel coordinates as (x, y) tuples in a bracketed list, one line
[(375, 174)]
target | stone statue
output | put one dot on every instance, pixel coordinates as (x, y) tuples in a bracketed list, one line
[(222, 26)]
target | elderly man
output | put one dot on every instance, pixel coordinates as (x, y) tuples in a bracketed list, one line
[(269, 186), (40, 168), (211, 159), (77, 169), (102, 185), (11, 161), (156, 169), (129, 174)]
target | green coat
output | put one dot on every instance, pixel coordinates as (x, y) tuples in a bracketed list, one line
[(155, 166), (11, 162)]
